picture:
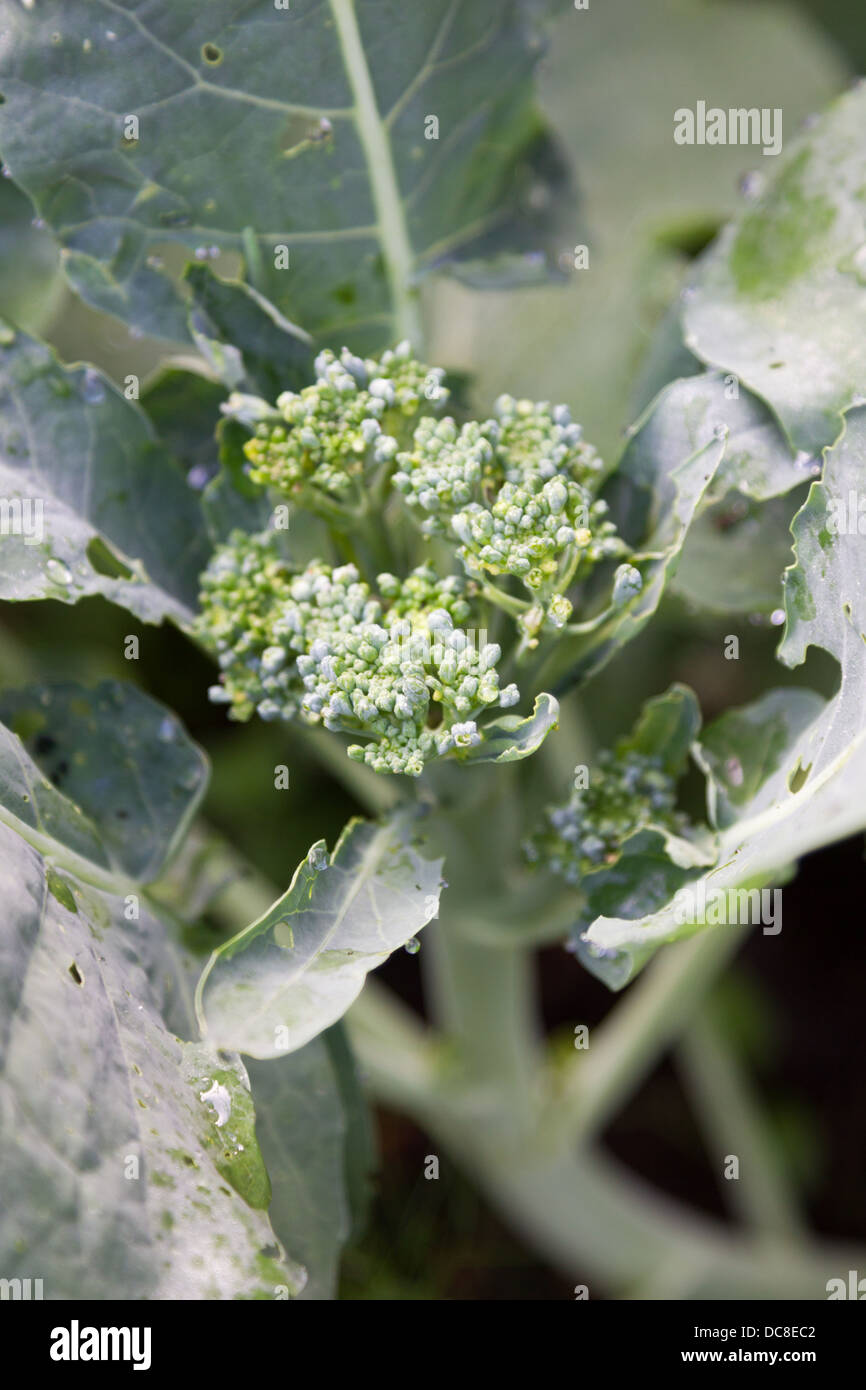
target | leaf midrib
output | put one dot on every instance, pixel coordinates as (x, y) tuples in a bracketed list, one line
[(393, 231)]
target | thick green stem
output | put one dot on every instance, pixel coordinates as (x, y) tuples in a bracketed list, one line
[(759, 1191), (483, 1003), (624, 1049), (583, 1213)]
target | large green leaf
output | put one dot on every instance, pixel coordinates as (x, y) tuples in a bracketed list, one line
[(303, 1130), (108, 773), (649, 203), (103, 509), (787, 774), (305, 125), (125, 1177), (249, 345), (31, 284), (132, 1155), (699, 439), (780, 300), (297, 969), (736, 554)]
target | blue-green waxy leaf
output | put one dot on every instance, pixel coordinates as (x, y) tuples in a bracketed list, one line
[(649, 202), (758, 461), (662, 480), (700, 440), (300, 137), (184, 409), (736, 554), (133, 1161), (31, 283), (743, 750), (512, 737), (787, 774), (295, 971), (248, 343), (97, 506), (667, 728), (733, 555), (780, 299), (108, 772), (308, 1106)]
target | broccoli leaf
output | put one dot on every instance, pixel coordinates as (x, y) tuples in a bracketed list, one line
[(696, 442), (305, 1104), (786, 774), (651, 204), (510, 738), (758, 461), (372, 144), (248, 343), (135, 1162), (96, 504), (108, 772), (125, 1184), (780, 299), (736, 554), (659, 487), (297, 969), (184, 409), (139, 1164), (667, 728)]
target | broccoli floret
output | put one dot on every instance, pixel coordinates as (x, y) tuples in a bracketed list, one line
[(516, 493), (387, 656), (627, 790), (339, 430), (392, 668)]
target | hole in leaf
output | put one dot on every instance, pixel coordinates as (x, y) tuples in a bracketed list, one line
[(797, 777), (212, 54), (76, 974), (105, 562)]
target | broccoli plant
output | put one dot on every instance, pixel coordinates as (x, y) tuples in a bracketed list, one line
[(435, 597)]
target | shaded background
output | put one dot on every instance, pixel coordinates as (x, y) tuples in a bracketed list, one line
[(792, 1005)]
